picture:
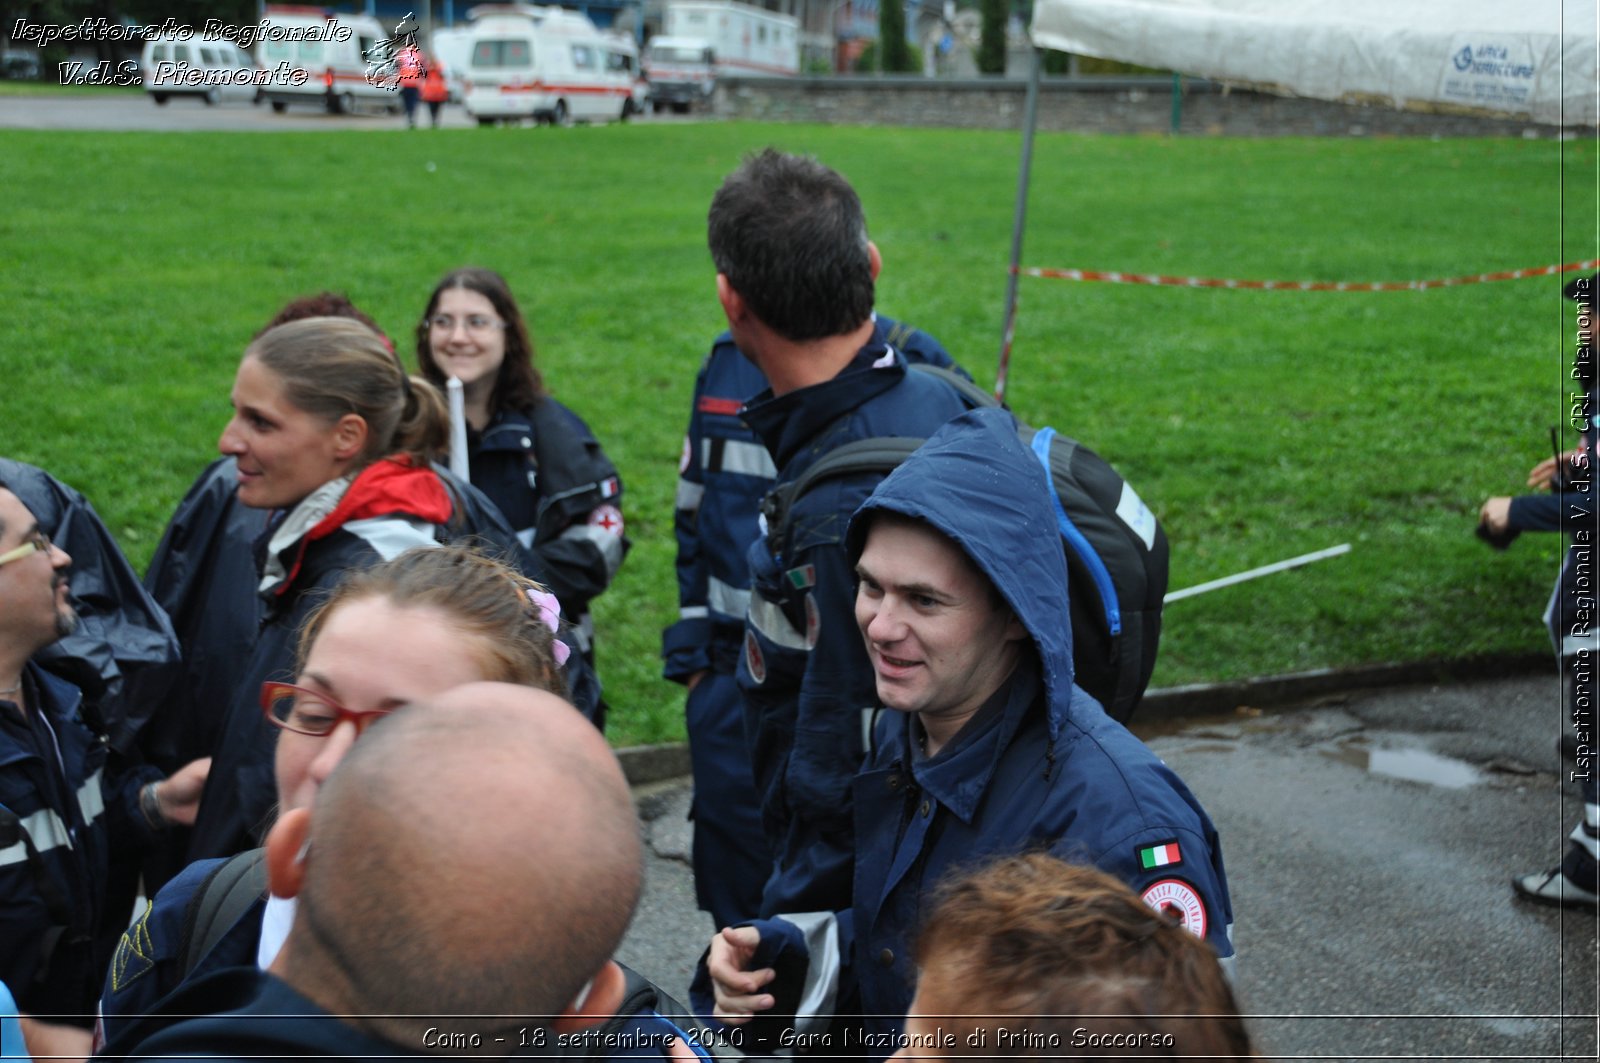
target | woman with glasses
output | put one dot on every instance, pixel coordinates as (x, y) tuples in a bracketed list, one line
[(397, 632), (334, 441), (535, 459)]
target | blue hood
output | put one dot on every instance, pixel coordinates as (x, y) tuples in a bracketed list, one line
[(978, 485)]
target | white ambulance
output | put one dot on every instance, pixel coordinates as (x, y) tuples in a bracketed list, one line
[(544, 63), (332, 51)]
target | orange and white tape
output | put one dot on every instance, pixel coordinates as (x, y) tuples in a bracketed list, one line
[(1305, 286)]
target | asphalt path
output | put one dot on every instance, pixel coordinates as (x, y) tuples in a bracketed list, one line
[(117, 111), (1370, 842)]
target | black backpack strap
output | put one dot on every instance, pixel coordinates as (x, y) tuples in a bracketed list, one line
[(878, 455), (220, 902), (971, 393)]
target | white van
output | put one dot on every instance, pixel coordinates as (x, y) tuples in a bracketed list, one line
[(451, 47), (208, 70), (332, 51), (547, 64)]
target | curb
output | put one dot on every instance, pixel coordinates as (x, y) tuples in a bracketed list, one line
[(657, 763)]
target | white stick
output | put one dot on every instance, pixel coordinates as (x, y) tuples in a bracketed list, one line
[(1254, 573), (458, 430)]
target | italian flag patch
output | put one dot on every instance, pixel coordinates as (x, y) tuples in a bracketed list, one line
[(1163, 855)]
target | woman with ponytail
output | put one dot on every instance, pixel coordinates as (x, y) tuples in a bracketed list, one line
[(333, 440)]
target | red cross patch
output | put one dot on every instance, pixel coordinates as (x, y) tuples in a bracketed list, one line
[(608, 518)]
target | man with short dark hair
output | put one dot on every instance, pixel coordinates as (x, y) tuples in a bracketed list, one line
[(61, 812), (795, 278), (434, 912), (988, 747)]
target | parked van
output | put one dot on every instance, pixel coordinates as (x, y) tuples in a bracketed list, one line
[(332, 50), (208, 70), (452, 47), (681, 72), (544, 63)]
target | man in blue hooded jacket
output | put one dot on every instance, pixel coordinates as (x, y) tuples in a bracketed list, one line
[(990, 748), (795, 277), (723, 476)]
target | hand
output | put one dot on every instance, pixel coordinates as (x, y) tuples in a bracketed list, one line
[(738, 991), (1542, 474), (1495, 515), (694, 680), (179, 794), (52, 1039)]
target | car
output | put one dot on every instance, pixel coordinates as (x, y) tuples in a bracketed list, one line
[(211, 71)]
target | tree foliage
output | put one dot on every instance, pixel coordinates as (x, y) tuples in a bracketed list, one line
[(992, 40), (896, 51)]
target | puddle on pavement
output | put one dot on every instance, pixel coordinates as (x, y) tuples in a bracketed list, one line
[(1413, 765)]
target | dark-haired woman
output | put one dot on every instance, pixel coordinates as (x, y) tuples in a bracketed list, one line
[(534, 458)]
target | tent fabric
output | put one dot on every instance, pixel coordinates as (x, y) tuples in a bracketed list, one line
[(1533, 59)]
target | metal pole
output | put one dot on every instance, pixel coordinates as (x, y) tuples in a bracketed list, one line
[(1177, 101), (1256, 573), (1030, 118)]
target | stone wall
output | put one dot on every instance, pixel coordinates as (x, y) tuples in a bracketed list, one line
[(1086, 105)]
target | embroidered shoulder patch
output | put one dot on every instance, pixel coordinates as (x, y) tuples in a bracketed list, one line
[(133, 958), (1176, 897)]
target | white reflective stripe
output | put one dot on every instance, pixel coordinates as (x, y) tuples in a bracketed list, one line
[(821, 931), (1585, 833), (726, 598), (749, 459), (689, 494), (46, 829), (693, 612), (91, 800), (525, 537), (609, 544), (768, 619)]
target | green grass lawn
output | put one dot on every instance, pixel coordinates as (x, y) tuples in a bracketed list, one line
[(1258, 425)]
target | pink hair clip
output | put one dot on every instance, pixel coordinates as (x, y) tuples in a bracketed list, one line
[(549, 610)]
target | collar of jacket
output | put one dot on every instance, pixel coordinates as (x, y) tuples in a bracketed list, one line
[(508, 430), (389, 485), (50, 694), (787, 423), (959, 775)]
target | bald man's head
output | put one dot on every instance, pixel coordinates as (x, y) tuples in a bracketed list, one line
[(478, 855)]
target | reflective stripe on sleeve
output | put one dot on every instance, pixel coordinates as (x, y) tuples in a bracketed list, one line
[(689, 494), (727, 599), (46, 829), (608, 543), (769, 620), (737, 455)]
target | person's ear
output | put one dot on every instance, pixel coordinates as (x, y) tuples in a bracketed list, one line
[(732, 302), (349, 436), (595, 1003), (874, 260), (288, 847)]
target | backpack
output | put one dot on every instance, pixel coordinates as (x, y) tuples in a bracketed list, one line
[(221, 901), (1116, 550)]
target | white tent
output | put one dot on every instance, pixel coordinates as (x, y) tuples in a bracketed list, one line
[(1534, 59), (1522, 58)]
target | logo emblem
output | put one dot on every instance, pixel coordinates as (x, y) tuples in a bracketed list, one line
[(754, 663), (1176, 897)]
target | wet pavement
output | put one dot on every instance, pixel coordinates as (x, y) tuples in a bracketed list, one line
[(1370, 841)]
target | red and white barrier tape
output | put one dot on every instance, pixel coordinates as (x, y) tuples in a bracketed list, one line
[(1305, 286)]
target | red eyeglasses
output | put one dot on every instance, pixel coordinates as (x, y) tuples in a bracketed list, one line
[(307, 712)]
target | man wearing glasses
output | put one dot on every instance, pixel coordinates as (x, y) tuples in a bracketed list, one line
[(61, 814)]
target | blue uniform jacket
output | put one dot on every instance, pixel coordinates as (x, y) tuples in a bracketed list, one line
[(73, 816), (807, 686), (724, 473), (545, 471), (148, 962), (1048, 770)]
